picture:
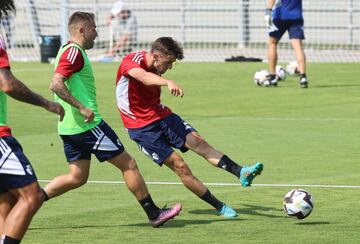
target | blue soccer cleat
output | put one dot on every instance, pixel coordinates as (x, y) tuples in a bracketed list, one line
[(227, 211), (247, 174)]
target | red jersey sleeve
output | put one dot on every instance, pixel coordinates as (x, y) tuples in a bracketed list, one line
[(130, 63), (4, 60), (71, 61)]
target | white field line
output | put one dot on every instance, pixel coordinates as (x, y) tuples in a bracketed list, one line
[(240, 118), (221, 184)]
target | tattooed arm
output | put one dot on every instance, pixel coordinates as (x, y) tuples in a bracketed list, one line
[(19, 91), (58, 86)]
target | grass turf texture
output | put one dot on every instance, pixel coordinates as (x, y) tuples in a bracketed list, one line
[(302, 137)]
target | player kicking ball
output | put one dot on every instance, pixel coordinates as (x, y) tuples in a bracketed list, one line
[(157, 130), (84, 132)]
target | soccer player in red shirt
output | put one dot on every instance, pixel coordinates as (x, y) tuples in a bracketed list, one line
[(157, 130), (83, 131), (20, 193)]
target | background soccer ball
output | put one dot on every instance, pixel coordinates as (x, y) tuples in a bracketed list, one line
[(261, 78), (298, 203), (292, 68), (280, 72)]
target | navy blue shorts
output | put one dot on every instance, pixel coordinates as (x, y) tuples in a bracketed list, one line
[(100, 140), (15, 168), (294, 27), (157, 139)]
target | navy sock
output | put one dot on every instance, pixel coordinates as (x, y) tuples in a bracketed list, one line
[(46, 197), (151, 210), (212, 200), (9, 240), (227, 164)]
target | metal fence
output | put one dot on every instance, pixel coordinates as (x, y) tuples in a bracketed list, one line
[(209, 30)]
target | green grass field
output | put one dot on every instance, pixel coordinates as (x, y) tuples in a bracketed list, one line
[(304, 137)]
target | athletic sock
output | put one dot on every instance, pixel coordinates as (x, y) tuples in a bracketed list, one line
[(227, 164), (46, 196), (272, 77), (151, 210), (8, 240), (212, 200), (302, 75)]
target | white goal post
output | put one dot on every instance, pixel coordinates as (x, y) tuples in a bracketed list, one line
[(209, 30)]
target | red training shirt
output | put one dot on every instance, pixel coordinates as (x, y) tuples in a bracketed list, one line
[(139, 105)]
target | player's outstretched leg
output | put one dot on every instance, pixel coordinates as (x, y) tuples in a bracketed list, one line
[(248, 173), (178, 165), (165, 215)]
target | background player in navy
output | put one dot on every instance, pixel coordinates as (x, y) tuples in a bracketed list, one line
[(156, 129), (20, 193), (282, 16)]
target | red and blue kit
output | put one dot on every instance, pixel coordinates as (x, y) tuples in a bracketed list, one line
[(15, 168), (139, 105)]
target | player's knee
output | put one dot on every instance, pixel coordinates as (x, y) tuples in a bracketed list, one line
[(32, 201), (131, 164), (182, 169), (77, 180), (197, 142), (272, 46), (203, 144)]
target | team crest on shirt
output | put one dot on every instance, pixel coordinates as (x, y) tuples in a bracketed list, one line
[(29, 169), (155, 156)]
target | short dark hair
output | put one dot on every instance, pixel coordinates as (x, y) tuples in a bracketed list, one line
[(6, 7), (79, 17), (168, 46)]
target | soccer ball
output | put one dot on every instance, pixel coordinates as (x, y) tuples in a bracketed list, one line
[(292, 68), (280, 72), (261, 78), (298, 203)]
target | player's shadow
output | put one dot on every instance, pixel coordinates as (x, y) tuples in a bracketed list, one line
[(264, 211), (314, 223), (336, 85), (176, 223), (249, 209), (71, 227)]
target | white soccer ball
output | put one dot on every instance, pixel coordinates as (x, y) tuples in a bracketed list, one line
[(298, 203), (261, 78), (280, 72), (292, 68)]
